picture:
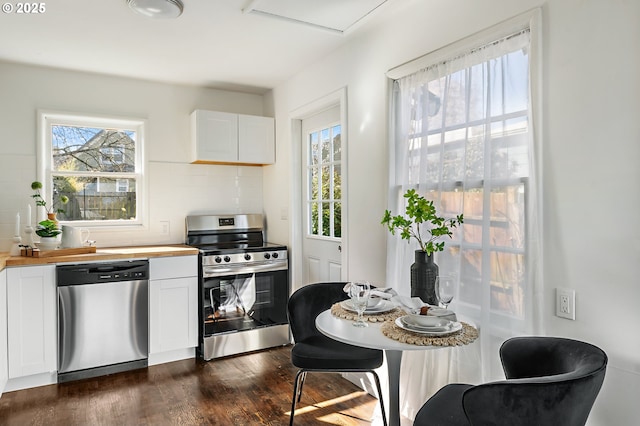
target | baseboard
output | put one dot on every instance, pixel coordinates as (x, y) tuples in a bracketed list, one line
[(170, 356)]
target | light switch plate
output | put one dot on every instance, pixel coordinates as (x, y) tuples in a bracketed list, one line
[(164, 227), (566, 303)]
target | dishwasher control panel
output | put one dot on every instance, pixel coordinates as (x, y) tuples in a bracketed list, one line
[(95, 273)]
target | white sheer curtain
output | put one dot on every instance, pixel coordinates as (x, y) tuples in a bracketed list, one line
[(463, 136)]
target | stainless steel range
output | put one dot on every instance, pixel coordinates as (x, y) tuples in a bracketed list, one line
[(244, 285)]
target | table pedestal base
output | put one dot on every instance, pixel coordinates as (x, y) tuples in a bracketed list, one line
[(393, 369)]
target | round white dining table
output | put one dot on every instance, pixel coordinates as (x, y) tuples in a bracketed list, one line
[(371, 337)]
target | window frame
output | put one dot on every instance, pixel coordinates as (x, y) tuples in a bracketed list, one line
[(47, 119)]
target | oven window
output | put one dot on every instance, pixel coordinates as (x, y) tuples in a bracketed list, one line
[(244, 301)]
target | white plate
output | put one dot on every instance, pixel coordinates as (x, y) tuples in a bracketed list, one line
[(452, 328), (426, 322), (383, 306)]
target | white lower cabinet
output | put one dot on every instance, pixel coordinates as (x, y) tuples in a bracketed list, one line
[(31, 320), (173, 308), (4, 372)]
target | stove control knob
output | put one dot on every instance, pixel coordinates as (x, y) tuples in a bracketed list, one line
[(267, 256), (227, 259), (218, 259), (247, 256), (275, 255)]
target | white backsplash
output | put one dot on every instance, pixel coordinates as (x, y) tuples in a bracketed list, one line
[(175, 190)]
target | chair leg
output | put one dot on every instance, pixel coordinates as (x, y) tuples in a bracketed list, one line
[(377, 380), (304, 376), (296, 396)]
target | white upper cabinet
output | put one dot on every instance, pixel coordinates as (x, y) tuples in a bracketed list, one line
[(225, 138), (256, 140)]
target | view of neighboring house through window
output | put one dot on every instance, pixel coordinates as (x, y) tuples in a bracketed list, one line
[(324, 179), (97, 164)]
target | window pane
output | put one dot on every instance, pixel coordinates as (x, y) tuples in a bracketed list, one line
[(313, 148), (92, 149), (326, 145), (507, 283), (326, 219), (326, 183), (507, 217), (337, 182), (337, 143), (314, 226), (471, 276), (337, 220), (95, 198), (313, 182)]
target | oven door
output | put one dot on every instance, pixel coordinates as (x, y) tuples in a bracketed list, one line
[(249, 297)]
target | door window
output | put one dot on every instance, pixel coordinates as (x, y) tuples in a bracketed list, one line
[(324, 179)]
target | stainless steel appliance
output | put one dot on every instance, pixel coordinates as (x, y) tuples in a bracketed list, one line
[(243, 285), (102, 318)]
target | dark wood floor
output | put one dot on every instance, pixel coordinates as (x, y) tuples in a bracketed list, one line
[(253, 389)]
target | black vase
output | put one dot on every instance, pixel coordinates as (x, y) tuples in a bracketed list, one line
[(423, 278)]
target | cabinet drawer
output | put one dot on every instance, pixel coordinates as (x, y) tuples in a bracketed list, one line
[(173, 267)]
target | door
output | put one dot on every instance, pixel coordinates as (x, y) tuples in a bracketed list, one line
[(322, 172)]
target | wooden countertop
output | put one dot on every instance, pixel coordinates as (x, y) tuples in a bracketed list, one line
[(113, 253)]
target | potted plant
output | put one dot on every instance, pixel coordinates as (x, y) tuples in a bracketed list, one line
[(51, 211), (48, 232), (48, 229), (422, 223)]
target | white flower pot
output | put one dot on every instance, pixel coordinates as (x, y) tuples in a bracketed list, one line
[(49, 243)]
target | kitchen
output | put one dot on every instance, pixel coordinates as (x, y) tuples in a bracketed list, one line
[(177, 188)]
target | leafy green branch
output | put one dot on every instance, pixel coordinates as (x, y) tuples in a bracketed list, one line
[(37, 186), (420, 214)]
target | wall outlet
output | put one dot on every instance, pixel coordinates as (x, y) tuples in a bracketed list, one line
[(566, 303)]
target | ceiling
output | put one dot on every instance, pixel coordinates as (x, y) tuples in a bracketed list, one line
[(244, 45)]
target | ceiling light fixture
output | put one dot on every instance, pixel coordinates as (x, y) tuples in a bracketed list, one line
[(157, 8)]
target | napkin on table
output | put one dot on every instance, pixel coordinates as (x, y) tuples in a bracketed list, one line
[(413, 305), (381, 292)]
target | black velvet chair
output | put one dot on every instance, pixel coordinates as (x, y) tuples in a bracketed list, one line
[(549, 381), (313, 351)]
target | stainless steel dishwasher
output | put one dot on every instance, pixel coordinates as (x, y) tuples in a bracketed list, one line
[(102, 318)]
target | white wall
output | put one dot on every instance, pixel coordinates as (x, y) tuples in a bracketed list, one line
[(590, 154), (176, 188)]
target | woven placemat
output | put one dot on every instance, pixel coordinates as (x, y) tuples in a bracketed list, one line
[(340, 312), (463, 337)]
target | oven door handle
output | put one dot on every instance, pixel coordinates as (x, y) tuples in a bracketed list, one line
[(252, 268)]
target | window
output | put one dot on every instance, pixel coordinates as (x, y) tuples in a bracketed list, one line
[(463, 139), (97, 163), (324, 180), (465, 134)]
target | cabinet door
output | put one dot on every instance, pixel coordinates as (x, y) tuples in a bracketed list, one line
[(173, 314), (4, 373), (214, 136), (256, 136), (32, 320)]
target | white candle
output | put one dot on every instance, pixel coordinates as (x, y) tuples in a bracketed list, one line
[(17, 225), (28, 214)]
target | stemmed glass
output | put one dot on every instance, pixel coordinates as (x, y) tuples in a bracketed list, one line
[(359, 293), (445, 289)]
